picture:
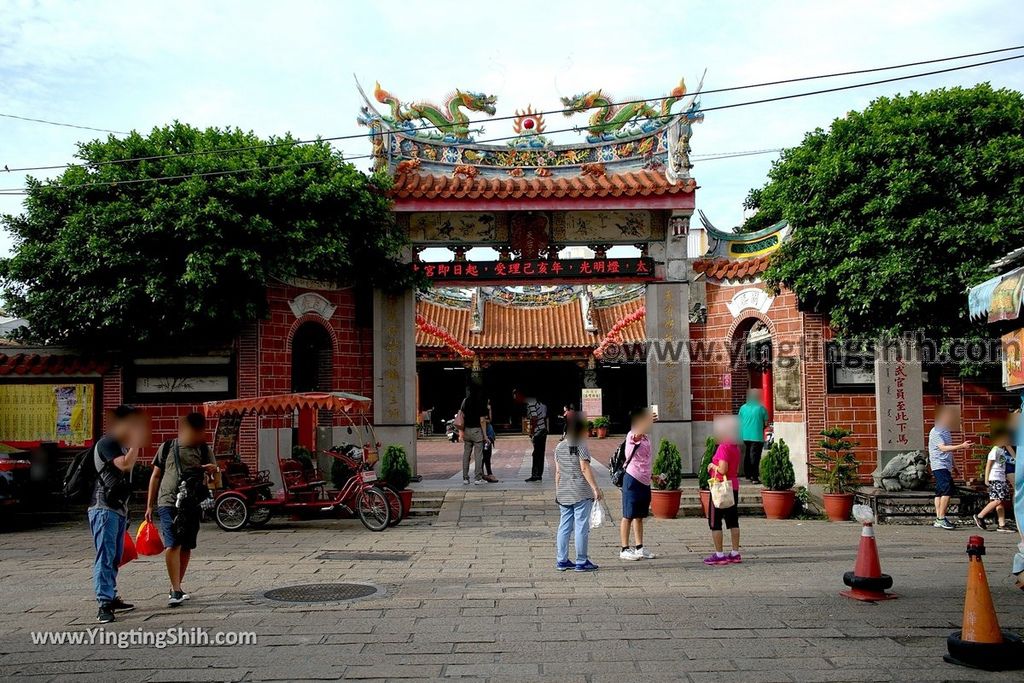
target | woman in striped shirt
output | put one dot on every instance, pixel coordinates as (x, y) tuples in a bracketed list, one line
[(575, 492)]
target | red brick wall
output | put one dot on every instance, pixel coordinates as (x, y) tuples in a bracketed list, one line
[(264, 365)]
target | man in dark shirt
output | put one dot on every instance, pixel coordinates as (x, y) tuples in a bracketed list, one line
[(114, 457), (474, 431), (537, 415)]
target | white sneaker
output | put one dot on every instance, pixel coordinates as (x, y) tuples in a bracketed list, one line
[(644, 553), (465, 481), (630, 554), (477, 482)]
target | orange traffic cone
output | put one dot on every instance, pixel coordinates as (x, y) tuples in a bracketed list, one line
[(980, 643), (866, 581)]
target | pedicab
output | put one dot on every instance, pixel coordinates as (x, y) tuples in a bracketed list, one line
[(249, 499)]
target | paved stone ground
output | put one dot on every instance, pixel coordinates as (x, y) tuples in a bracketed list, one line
[(476, 604)]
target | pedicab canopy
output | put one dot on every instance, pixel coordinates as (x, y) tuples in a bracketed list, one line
[(278, 404)]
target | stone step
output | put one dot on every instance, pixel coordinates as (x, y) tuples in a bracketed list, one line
[(424, 512)]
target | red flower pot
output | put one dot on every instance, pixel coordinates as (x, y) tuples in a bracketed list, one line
[(705, 500), (602, 432), (838, 506), (778, 504), (406, 496), (665, 504)]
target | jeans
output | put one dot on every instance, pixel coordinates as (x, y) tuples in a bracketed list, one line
[(576, 515), (539, 441), (108, 529), (473, 444), (752, 459)]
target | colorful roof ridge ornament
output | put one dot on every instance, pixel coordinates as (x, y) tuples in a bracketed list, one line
[(616, 121), (743, 245), (445, 122), (529, 126)]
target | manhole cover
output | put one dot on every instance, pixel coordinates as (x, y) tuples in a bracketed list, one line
[(372, 557), (522, 534), (322, 592)]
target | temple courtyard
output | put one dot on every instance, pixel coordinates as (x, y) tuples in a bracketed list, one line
[(472, 594)]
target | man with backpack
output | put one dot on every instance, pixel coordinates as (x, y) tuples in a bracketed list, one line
[(108, 465), (177, 488)]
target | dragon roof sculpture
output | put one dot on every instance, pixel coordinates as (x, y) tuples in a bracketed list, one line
[(430, 139)]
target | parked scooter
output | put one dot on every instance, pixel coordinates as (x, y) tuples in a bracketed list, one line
[(450, 431)]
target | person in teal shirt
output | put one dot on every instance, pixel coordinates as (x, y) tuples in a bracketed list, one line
[(753, 418)]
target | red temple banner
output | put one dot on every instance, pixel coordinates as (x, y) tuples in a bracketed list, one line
[(538, 269)]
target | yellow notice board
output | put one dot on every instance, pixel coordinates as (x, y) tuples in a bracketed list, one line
[(30, 413)]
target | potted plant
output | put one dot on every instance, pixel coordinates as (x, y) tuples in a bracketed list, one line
[(666, 476), (601, 426), (590, 428), (396, 472), (837, 472), (703, 478), (777, 478)]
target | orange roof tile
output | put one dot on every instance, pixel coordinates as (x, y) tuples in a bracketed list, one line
[(731, 269), (632, 184), (523, 327)]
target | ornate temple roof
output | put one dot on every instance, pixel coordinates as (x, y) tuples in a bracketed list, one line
[(731, 269), (743, 245), (560, 318), (634, 149)]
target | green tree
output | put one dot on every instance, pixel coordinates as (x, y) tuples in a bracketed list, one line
[(898, 209), (106, 258)]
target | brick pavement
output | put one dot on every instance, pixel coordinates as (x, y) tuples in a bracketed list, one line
[(474, 604)]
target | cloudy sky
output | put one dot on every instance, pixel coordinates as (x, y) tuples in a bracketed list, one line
[(280, 66)]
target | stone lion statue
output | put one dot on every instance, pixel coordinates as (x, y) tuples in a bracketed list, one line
[(905, 472)]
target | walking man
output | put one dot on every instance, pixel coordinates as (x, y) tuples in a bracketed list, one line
[(180, 468), (537, 415), (753, 418)]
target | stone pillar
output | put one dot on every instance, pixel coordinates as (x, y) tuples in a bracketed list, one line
[(899, 404), (394, 370), (668, 329)]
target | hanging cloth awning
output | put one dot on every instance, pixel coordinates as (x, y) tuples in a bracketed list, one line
[(998, 298), (281, 404)]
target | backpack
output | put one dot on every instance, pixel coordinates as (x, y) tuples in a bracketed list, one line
[(618, 463), (80, 477)]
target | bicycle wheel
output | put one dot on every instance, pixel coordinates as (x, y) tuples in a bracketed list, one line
[(395, 504), (231, 511), (373, 509)]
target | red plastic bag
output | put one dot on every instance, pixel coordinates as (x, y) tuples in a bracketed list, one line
[(147, 540), (129, 552)]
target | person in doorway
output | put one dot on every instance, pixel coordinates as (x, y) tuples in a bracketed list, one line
[(537, 417), (753, 418), (488, 447), (995, 478), (114, 457), (474, 413), (725, 464), (636, 486), (576, 491), (940, 457), (568, 415), (180, 471)]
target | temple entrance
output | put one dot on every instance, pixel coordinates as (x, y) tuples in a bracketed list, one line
[(752, 365)]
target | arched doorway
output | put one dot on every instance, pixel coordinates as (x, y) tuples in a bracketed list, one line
[(752, 362), (312, 358)]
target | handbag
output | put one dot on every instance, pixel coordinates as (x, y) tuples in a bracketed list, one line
[(460, 417), (722, 493)]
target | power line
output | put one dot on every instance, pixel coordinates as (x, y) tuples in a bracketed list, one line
[(430, 126), (563, 130), (64, 125)]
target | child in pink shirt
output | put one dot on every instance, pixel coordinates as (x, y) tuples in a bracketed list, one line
[(725, 465), (636, 486)]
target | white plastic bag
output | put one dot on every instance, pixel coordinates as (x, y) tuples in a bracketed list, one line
[(600, 515)]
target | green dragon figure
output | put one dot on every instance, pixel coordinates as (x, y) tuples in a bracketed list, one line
[(614, 121), (452, 125)]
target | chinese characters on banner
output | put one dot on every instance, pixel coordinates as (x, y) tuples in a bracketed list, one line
[(33, 413), (591, 403), (899, 404), (538, 269)]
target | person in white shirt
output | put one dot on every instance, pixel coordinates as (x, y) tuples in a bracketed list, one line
[(995, 477)]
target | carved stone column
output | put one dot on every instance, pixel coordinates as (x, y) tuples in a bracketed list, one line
[(668, 362), (394, 370)]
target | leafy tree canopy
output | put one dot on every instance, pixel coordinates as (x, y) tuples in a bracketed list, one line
[(106, 259), (898, 209)]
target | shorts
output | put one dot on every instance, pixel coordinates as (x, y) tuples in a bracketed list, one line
[(636, 498), (998, 490), (165, 522), (944, 483), (729, 516)]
